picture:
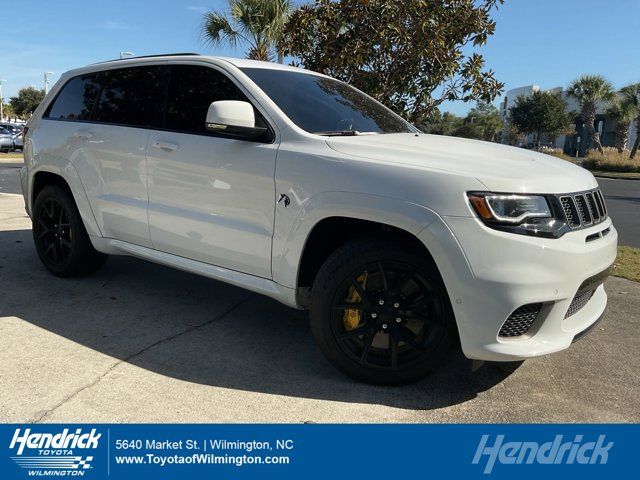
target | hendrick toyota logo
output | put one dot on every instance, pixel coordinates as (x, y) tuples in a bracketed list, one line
[(554, 452), (54, 454)]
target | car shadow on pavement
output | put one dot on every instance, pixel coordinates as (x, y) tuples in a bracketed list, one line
[(199, 330)]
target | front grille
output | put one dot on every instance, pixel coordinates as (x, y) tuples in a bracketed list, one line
[(595, 214), (570, 212), (583, 209), (578, 302), (520, 321), (600, 202)]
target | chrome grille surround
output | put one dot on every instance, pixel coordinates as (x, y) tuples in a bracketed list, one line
[(520, 321), (582, 210)]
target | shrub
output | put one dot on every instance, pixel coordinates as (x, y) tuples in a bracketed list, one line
[(611, 161)]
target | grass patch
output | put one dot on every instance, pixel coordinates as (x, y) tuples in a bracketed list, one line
[(630, 175), (560, 154), (627, 265), (612, 164), (13, 156), (611, 161)]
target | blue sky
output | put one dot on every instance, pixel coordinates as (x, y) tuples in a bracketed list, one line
[(543, 42)]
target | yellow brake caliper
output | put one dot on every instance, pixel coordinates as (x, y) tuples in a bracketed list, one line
[(352, 316)]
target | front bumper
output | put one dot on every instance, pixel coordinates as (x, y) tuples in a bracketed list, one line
[(489, 274)]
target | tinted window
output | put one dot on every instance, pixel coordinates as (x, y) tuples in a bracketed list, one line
[(191, 90), (76, 99), (324, 105), (132, 96)]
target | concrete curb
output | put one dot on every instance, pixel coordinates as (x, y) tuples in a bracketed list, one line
[(613, 176)]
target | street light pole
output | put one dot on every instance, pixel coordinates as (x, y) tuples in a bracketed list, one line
[(1, 101), (46, 81)]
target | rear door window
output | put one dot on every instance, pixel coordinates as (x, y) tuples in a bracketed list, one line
[(77, 98), (133, 97)]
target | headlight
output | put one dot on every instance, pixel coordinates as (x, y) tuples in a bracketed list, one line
[(513, 209), (515, 213)]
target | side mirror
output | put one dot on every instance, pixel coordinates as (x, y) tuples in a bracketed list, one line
[(233, 117)]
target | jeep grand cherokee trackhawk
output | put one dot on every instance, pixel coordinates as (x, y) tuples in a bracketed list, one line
[(297, 186)]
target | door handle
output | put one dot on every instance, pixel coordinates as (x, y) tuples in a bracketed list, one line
[(83, 135), (172, 147)]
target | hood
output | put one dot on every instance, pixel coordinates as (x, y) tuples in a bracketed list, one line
[(499, 167)]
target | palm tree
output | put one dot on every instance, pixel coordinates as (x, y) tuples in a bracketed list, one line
[(631, 94), (623, 112), (588, 90), (259, 23)]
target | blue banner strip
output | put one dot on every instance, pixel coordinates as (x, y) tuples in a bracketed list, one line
[(173, 451)]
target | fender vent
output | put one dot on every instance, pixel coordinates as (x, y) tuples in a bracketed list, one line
[(520, 321)]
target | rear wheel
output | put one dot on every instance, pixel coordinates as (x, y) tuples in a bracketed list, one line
[(380, 312), (61, 240)]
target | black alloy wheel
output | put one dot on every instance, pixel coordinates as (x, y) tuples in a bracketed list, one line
[(387, 318), (61, 240), (53, 231)]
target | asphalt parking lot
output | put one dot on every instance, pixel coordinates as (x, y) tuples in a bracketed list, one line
[(139, 342)]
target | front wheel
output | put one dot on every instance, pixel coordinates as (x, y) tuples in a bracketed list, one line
[(380, 312)]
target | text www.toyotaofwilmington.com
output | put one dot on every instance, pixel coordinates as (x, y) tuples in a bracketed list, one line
[(200, 459)]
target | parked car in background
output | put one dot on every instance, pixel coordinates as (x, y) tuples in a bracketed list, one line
[(297, 186), (17, 141), (12, 127), (7, 143)]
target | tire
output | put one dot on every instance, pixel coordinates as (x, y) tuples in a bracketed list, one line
[(61, 240), (400, 340)]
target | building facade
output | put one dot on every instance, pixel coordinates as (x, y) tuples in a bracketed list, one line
[(574, 144)]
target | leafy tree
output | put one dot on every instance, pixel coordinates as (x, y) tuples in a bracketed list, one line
[(588, 90), (7, 111), (442, 124), (409, 55), (483, 122), (512, 135), (623, 112), (542, 112), (631, 94), (27, 101), (258, 23)]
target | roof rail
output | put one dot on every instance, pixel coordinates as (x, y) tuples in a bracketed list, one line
[(149, 56)]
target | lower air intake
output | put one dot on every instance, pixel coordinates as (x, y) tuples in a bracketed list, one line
[(578, 302), (520, 321)]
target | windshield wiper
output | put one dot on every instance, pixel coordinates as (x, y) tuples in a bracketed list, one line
[(343, 133)]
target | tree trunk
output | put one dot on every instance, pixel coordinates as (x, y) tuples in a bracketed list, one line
[(636, 144), (622, 136), (589, 118)]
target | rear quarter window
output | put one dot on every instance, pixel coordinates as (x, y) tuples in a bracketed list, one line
[(76, 99)]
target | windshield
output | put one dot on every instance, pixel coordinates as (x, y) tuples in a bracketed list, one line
[(326, 106)]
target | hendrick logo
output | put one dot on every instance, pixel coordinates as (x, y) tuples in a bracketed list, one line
[(54, 454), (554, 452)]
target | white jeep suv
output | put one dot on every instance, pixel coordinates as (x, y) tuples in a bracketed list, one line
[(297, 186)]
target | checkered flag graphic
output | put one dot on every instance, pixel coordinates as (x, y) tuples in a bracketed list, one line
[(86, 463)]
